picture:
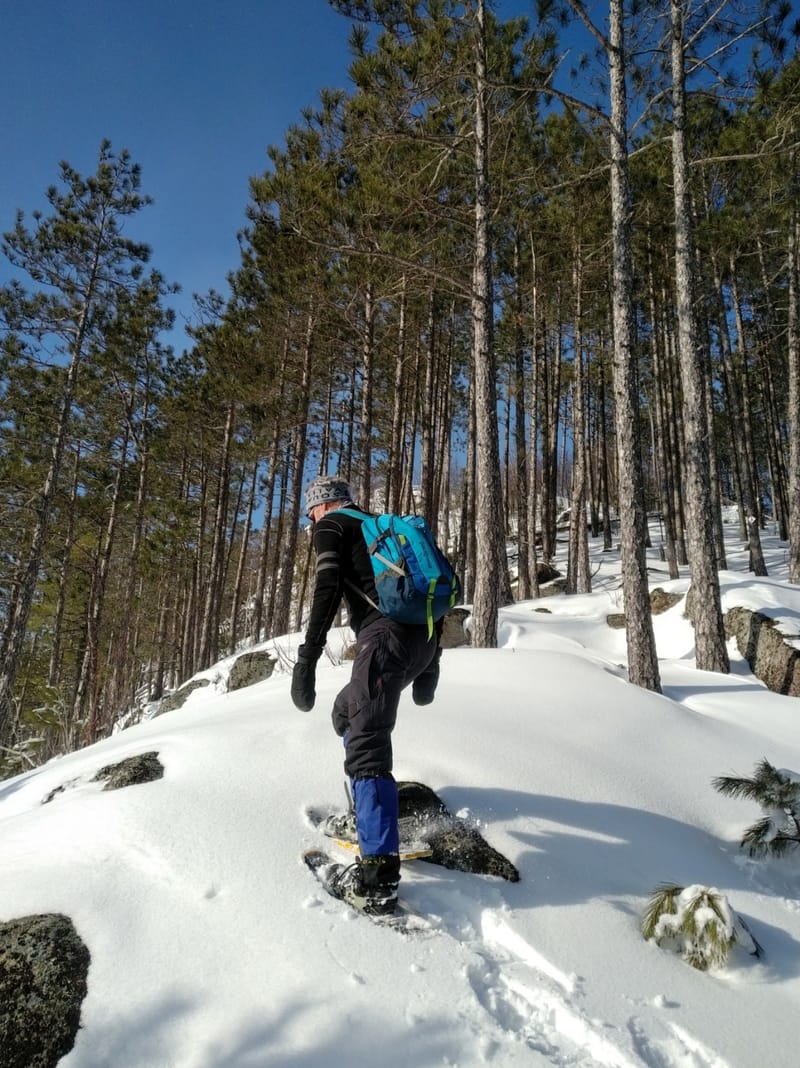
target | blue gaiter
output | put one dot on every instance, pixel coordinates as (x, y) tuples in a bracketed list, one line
[(377, 808)]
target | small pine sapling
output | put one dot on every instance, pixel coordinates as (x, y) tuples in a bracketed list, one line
[(697, 922), (778, 794)]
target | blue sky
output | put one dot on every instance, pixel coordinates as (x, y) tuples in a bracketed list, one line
[(195, 89)]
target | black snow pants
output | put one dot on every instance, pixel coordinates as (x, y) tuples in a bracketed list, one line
[(389, 657)]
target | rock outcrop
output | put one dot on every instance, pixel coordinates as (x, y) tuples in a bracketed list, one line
[(43, 970), (771, 658), (456, 844), (144, 767), (250, 668), (178, 697)]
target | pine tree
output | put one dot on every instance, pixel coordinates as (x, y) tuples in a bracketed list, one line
[(642, 656), (793, 347), (78, 258), (491, 585), (778, 794), (698, 922), (711, 652), (616, 50)]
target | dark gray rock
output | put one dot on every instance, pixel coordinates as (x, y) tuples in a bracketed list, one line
[(144, 767), (765, 649), (661, 601), (43, 970), (455, 843), (546, 573), (178, 698), (453, 633), (250, 668), (553, 588)]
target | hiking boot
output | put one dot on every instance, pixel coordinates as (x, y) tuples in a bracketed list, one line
[(341, 826), (369, 885)]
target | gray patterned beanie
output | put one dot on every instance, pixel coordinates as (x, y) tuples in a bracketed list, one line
[(326, 488)]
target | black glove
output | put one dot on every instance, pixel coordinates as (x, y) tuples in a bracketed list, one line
[(424, 685), (304, 678)]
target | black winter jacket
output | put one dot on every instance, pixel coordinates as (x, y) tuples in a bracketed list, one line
[(342, 562)]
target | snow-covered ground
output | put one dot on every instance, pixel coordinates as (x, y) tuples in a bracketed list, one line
[(213, 947)]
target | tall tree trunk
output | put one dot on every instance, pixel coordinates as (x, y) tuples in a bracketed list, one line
[(715, 498), (42, 511), (505, 466), (550, 381), (593, 456), (264, 548), (466, 538), (284, 477), (578, 580), (367, 387), (407, 503), (491, 580), (642, 659), (86, 692), (54, 667), (741, 453), (306, 554), (443, 422), (605, 474), (394, 467), (520, 444), (744, 438), (533, 560), (81, 271), (710, 649), (777, 452), (677, 438), (124, 651), (194, 614), (428, 407), (265, 543), (349, 428), (238, 585), (163, 613), (665, 458), (777, 447), (448, 402), (793, 413), (209, 635), (288, 548)]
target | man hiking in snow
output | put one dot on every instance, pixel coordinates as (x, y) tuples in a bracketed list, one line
[(389, 656)]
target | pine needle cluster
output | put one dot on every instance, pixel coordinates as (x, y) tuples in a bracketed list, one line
[(697, 922), (778, 794)]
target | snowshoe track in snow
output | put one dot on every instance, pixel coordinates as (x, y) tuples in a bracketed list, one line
[(535, 1002), (535, 1005)]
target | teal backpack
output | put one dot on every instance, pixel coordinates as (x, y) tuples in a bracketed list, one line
[(414, 579)]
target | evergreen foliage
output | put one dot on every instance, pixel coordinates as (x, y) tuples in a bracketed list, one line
[(778, 794), (150, 501), (697, 922)]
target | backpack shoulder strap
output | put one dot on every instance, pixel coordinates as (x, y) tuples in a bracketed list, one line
[(361, 516)]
